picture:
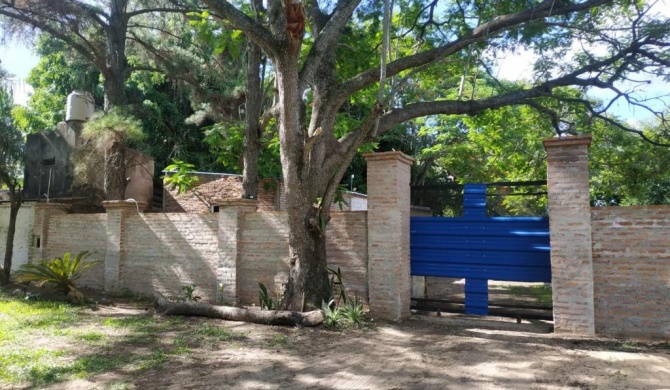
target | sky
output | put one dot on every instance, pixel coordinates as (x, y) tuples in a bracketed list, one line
[(18, 60)]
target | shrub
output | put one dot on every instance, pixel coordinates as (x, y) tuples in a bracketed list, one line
[(61, 271), (332, 315), (188, 293)]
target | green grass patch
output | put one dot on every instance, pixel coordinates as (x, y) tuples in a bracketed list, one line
[(90, 337), (43, 343), (279, 340), (541, 293), (21, 364)]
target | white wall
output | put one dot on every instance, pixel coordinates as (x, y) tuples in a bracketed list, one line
[(23, 235)]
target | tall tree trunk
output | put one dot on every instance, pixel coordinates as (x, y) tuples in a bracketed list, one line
[(116, 63), (15, 204), (308, 277), (253, 106), (114, 85)]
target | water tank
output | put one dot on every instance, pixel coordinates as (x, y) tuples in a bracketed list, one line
[(80, 106)]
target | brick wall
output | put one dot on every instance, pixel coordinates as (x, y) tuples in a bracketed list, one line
[(75, 233), (570, 233), (631, 265), (389, 277), (264, 252), (165, 252), (216, 186), (162, 252), (347, 247)]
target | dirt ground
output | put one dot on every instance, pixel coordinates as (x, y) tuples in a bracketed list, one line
[(448, 352)]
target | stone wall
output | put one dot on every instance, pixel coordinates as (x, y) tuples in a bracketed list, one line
[(631, 266)]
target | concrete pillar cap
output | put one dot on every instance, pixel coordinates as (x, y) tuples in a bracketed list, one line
[(52, 206), (567, 140), (124, 205), (235, 202), (399, 156)]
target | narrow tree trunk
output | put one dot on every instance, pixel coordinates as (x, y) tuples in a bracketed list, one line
[(253, 108), (15, 204), (115, 172)]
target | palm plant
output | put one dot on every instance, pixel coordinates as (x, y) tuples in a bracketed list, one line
[(61, 271)]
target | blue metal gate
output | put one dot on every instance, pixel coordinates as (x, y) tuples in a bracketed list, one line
[(478, 248)]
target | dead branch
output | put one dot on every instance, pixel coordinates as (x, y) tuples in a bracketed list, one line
[(228, 313)]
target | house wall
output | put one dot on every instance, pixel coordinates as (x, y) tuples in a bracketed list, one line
[(631, 267), (140, 171), (23, 234)]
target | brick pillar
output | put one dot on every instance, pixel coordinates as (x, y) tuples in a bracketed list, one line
[(43, 212), (570, 234), (389, 279), (231, 213), (117, 212)]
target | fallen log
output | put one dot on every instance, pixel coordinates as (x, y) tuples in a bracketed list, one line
[(229, 313)]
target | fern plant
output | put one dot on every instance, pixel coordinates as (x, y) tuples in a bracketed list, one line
[(61, 271)]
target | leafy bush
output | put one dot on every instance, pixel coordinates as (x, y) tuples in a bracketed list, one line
[(188, 292), (353, 313), (114, 123), (61, 271), (180, 176)]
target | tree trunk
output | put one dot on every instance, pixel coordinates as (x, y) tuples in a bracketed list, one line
[(308, 277), (253, 106), (114, 85), (117, 69), (267, 317), (115, 172), (15, 204)]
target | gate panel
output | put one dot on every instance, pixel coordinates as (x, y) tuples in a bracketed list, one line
[(479, 248)]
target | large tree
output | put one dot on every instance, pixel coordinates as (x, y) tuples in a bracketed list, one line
[(98, 29), (11, 160), (311, 91)]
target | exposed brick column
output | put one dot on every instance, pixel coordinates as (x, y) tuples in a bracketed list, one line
[(117, 212), (570, 234), (231, 213), (43, 212), (389, 279)]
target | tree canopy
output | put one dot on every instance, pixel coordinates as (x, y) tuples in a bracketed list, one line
[(348, 73)]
